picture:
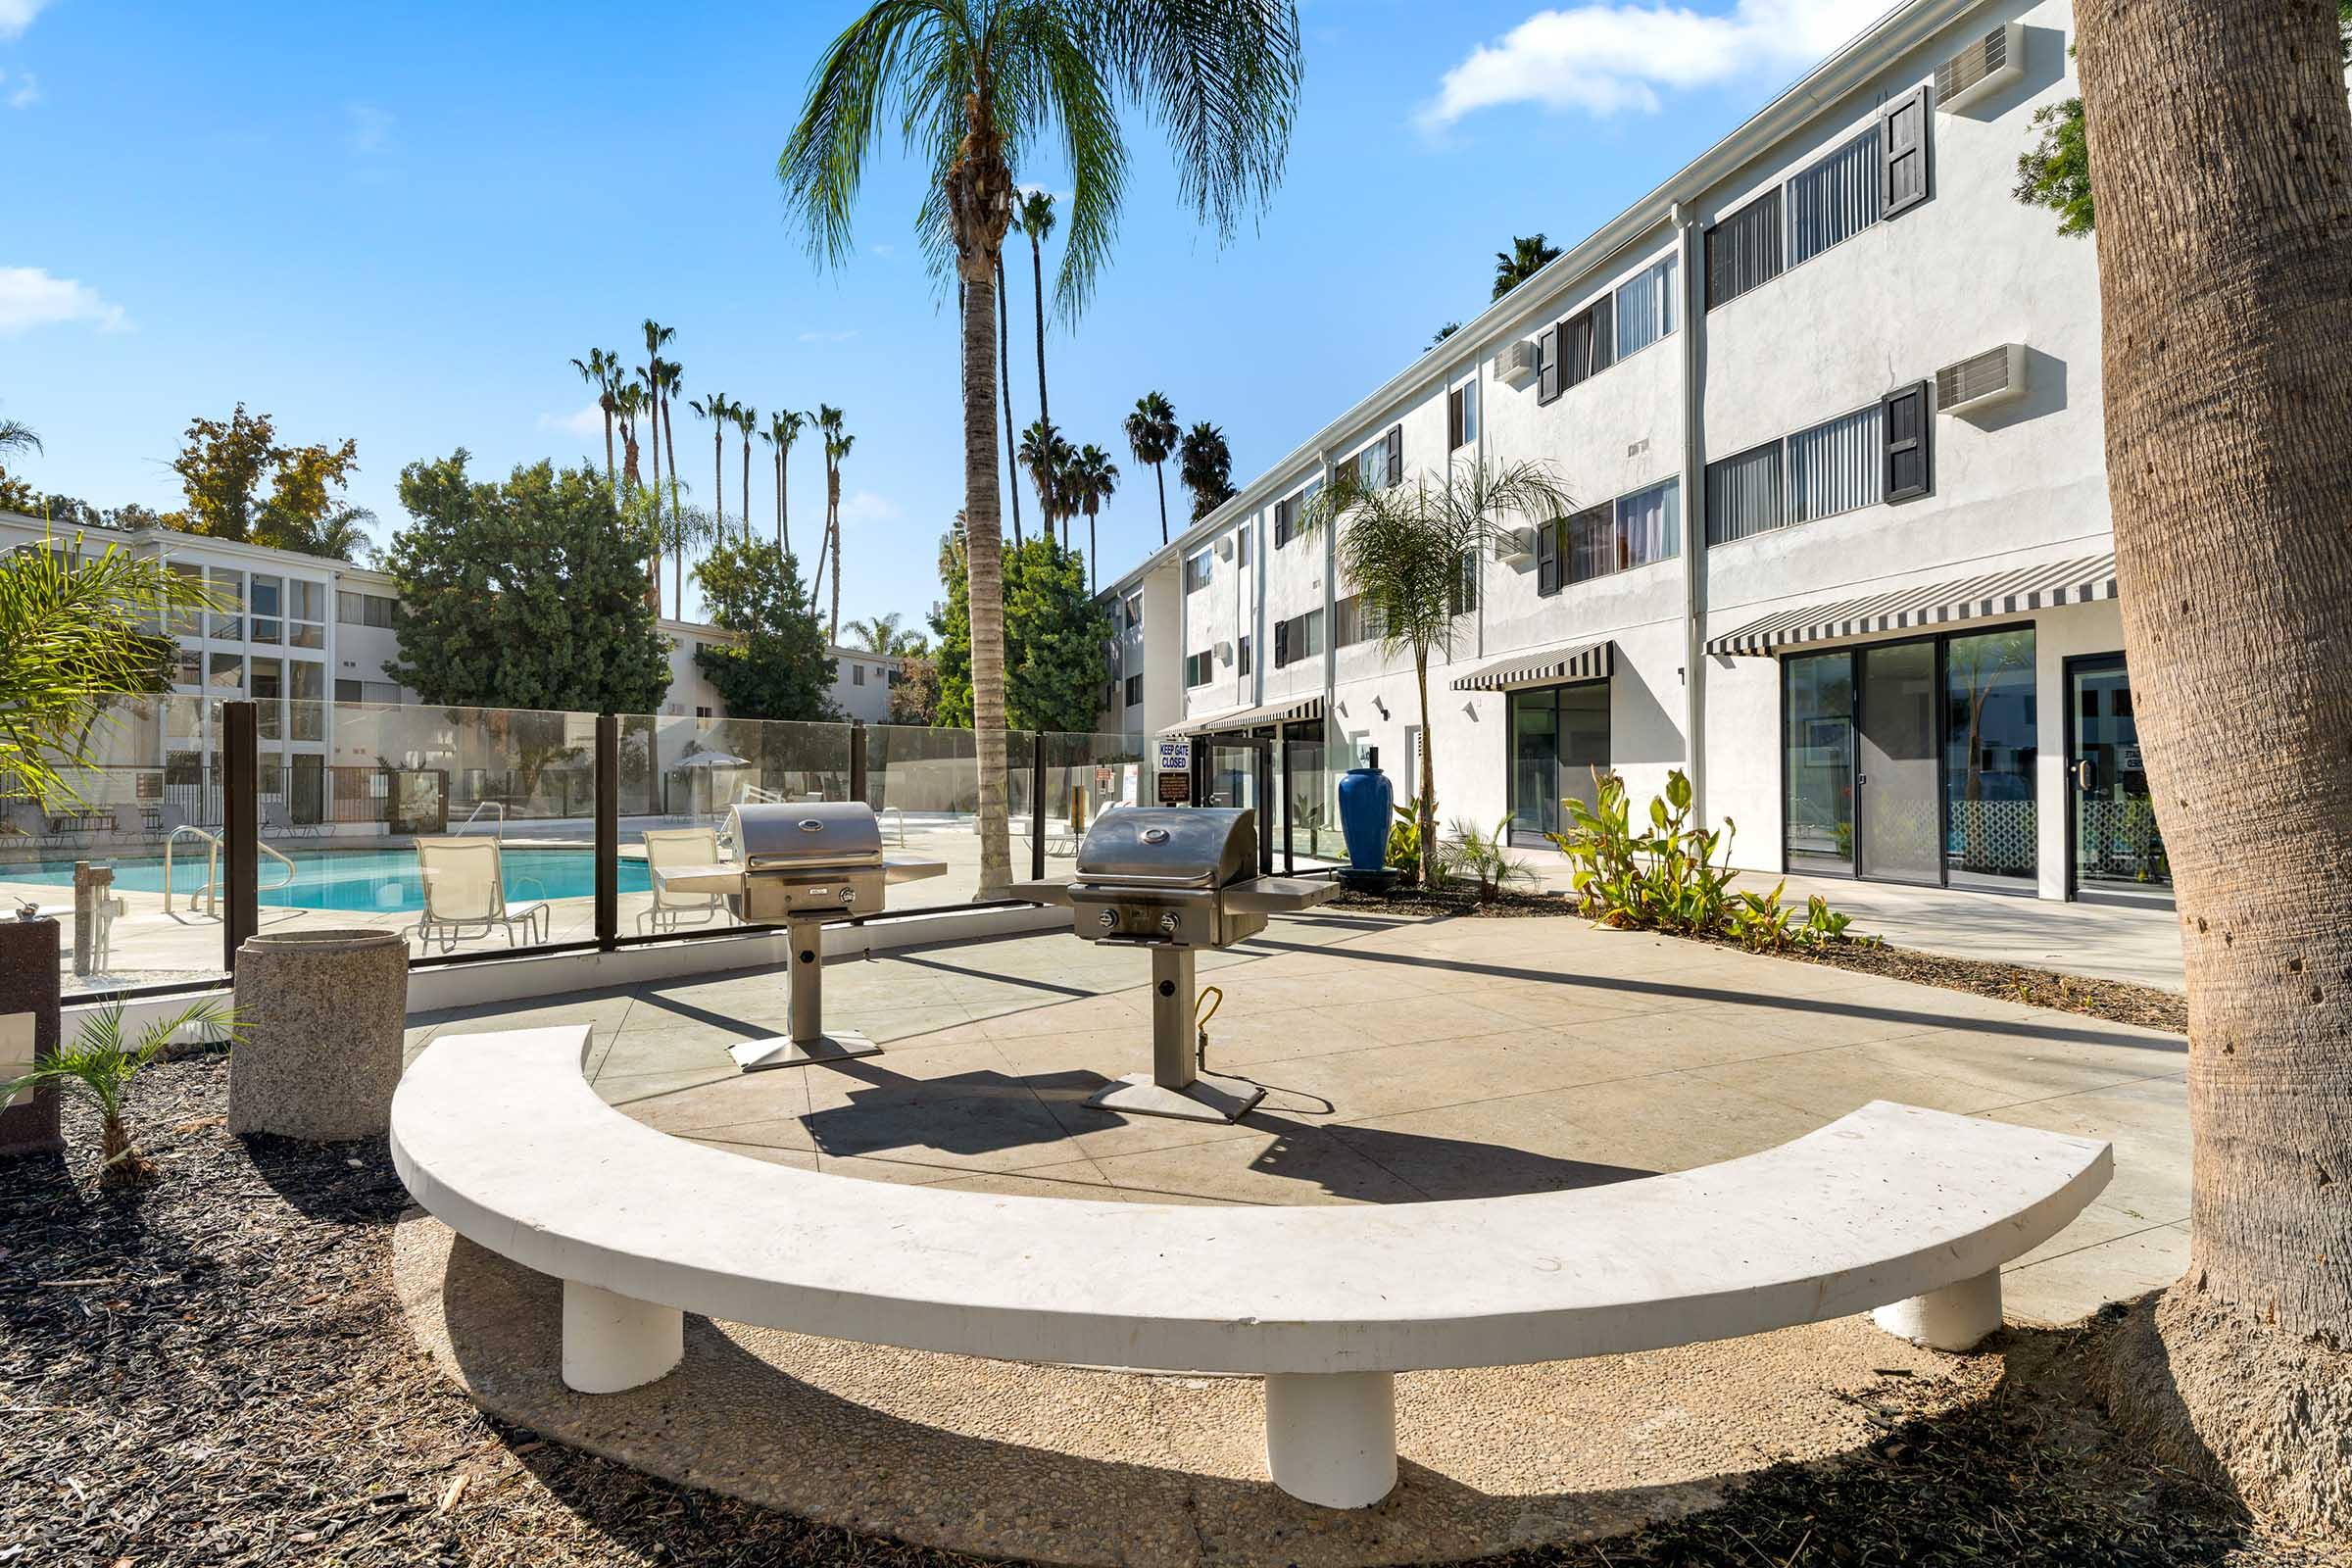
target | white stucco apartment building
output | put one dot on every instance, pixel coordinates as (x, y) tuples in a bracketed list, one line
[(1828, 400)]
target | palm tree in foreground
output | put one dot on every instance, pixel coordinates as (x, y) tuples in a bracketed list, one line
[(1407, 551), (2221, 148), (1091, 477), (1152, 432), (975, 85)]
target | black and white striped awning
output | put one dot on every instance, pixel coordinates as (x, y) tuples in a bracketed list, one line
[(1934, 603), (1293, 711), (1544, 666)]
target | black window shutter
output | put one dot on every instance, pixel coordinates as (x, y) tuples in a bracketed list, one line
[(1556, 346), (1904, 419), (1604, 332), (1453, 419), (1903, 154), (1395, 454), (1547, 560), (1282, 642)]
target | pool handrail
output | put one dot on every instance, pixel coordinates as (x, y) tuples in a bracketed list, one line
[(210, 896), (497, 832)]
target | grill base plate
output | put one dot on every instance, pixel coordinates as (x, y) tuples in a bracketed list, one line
[(782, 1051), (1209, 1096)]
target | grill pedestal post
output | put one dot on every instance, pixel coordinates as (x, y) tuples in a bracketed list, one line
[(1175, 1087), (808, 1040)]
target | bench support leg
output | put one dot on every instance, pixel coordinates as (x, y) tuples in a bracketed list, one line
[(1954, 1318), (613, 1343), (1330, 1438)]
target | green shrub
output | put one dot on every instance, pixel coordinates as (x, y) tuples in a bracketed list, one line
[(1482, 858)]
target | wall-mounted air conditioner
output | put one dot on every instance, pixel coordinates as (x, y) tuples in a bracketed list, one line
[(1986, 65), (1225, 548), (1981, 380), (1513, 546), (1224, 653), (1518, 363)]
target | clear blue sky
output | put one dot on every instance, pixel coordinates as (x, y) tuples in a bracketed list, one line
[(399, 223)]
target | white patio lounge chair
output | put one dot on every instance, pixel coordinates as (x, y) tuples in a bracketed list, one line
[(465, 894), (666, 848)]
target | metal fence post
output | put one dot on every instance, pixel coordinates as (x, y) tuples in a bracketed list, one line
[(608, 831), (240, 825), (1037, 808), (858, 763)]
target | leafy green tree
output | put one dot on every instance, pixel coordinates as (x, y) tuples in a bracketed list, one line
[(527, 594), (781, 668), (222, 468), (1056, 641), (975, 87)]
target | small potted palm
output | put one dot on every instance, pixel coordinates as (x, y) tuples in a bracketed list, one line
[(99, 1068)]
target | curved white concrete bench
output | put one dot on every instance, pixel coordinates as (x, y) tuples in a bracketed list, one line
[(500, 1138)]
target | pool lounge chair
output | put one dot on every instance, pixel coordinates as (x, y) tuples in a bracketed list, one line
[(668, 848), (465, 894)]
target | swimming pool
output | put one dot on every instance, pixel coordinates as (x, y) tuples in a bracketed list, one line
[(380, 880)]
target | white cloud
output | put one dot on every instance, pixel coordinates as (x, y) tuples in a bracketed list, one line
[(1607, 59), (26, 93), (17, 15), (864, 505), (29, 297), (886, 252), (588, 423), (371, 127), (829, 337)]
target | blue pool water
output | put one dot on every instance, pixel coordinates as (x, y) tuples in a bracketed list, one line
[(383, 880)]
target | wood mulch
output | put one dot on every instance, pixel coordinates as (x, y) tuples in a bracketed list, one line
[(212, 1370), (2116, 1001)]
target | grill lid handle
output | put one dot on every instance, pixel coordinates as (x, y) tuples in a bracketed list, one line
[(1155, 835), (809, 824)]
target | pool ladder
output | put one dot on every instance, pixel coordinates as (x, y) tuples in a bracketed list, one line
[(207, 901)]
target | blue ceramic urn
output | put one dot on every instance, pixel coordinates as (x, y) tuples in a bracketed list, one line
[(1365, 798)]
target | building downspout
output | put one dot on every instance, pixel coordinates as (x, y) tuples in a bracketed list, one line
[(1694, 507)]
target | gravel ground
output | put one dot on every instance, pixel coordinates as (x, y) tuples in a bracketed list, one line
[(212, 1370)]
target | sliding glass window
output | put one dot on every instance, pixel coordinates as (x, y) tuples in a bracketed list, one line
[(1560, 734)]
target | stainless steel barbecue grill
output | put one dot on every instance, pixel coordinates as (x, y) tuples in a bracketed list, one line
[(1175, 880), (802, 866)]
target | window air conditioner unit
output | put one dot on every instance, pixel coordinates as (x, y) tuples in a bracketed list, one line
[(1517, 365), (1225, 548), (1224, 653), (1986, 65), (1981, 380), (1513, 546)]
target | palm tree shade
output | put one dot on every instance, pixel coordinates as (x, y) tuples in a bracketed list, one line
[(1092, 478), (1528, 254), (1404, 549), (976, 85), (1152, 432)]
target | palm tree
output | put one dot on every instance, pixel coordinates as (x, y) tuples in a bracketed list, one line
[(1529, 254), (601, 371), (747, 420), (15, 436), (629, 401), (676, 528), (881, 635), (1013, 462), (2218, 135), (672, 376), (975, 84), (1034, 218), (784, 427), (657, 338), (721, 413), (1404, 549), (104, 1061), (1205, 465), (837, 444), (1151, 436), (1042, 452), (1092, 479)]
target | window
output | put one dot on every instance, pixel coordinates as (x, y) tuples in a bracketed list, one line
[(1197, 567), (1646, 308), (1903, 154), (306, 613), (367, 691), (1240, 544), (1461, 415), (1463, 593), (308, 691), (1197, 668), (1135, 611), (362, 609), (1300, 637), (346, 691), (229, 674), (702, 712), (1650, 525), (267, 603), (1835, 199), (1587, 342), (1743, 250), (856, 674), (1834, 467), (1347, 621), (1558, 736), (188, 668), (229, 594), (1243, 655), (1382, 463), (187, 622), (1910, 469), (267, 688), (1134, 691), (1744, 493)]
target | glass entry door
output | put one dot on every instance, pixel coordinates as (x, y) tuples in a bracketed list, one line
[(1896, 781), (1558, 736), (1239, 770), (2116, 848)]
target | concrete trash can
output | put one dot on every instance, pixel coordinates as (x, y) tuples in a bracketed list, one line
[(320, 1019)]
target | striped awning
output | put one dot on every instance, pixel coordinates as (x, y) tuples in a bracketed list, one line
[(1292, 711), (1544, 666), (1934, 603)]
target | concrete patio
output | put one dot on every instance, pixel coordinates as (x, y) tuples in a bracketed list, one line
[(1406, 1060)]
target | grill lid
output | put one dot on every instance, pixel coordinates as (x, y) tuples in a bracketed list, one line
[(782, 835), (1170, 847)]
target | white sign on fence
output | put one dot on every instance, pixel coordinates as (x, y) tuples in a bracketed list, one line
[(1176, 754)]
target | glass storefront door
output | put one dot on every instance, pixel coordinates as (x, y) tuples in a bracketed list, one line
[(1989, 729), (1559, 735), (2118, 851), (1820, 766), (1899, 803)]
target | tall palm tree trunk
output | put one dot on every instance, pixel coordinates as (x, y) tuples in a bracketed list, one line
[(652, 568), (983, 557), (833, 532), (783, 549), (1012, 463), (2221, 157), (1159, 472), (1045, 410), (669, 434), (719, 482), (746, 486), (612, 477)]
